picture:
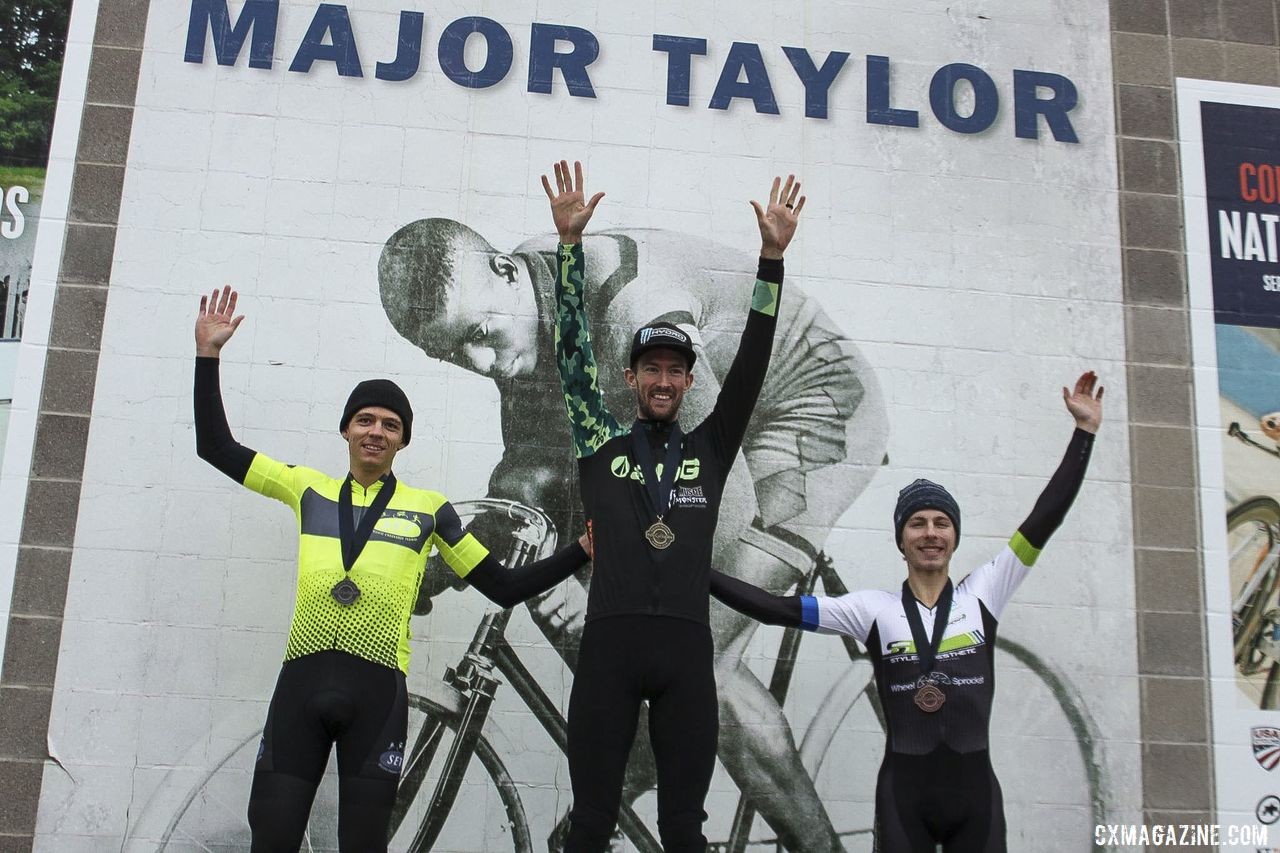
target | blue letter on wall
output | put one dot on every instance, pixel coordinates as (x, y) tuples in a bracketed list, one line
[(680, 52), (942, 97), (543, 58), (257, 16), (879, 110), (330, 20), (817, 81), (408, 52), (1026, 106), (453, 43), (745, 57)]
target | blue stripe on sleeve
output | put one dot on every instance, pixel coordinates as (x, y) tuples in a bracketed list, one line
[(809, 612)]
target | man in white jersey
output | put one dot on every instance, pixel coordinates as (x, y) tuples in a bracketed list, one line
[(932, 647)]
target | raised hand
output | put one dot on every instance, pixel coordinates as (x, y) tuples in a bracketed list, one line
[(778, 220), (569, 209), (216, 322), (1083, 404)]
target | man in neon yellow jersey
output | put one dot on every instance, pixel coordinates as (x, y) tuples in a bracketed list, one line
[(364, 541)]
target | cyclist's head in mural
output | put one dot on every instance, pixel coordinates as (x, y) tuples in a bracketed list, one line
[(926, 523), (451, 293), (377, 422)]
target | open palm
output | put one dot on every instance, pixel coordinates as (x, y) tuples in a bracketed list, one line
[(569, 208), (1083, 403), (217, 321), (779, 217)]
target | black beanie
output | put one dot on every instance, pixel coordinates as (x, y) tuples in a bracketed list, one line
[(379, 392), (924, 494)]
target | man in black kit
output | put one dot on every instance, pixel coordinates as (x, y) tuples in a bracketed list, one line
[(651, 496)]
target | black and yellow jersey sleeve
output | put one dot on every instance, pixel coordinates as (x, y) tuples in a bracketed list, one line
[(388, 571)]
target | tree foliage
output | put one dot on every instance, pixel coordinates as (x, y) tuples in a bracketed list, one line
[(33, 35)]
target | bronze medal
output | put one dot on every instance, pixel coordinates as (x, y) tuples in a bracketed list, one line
[(660, 536), (929, 698), (345, 592), (657, 491)]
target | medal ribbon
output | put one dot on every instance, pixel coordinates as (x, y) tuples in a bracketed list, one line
[(354, 538), (927, 649), (659, 494)]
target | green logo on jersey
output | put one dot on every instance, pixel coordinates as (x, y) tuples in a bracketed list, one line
[(622, 468)]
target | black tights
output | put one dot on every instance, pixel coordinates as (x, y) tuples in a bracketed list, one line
[(942, 797), (624, 660), (322, 699)]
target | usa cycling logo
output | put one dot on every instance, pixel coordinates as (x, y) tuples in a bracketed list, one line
[(648, 333), (1266, 746), (392, 760)]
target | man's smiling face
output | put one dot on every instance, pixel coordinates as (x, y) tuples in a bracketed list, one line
[(929, 540), (373, 435), (660, 379)]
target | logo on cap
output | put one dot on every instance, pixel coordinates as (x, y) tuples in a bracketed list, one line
[(651, 332)]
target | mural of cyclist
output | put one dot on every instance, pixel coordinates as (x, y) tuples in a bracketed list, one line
[(932, 648), (816, 436), (363, 545)]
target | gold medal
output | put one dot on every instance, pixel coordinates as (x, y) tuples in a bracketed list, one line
[(929, 698), (659, 535)]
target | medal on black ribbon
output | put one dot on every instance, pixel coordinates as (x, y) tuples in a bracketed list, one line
[(659, 535), (658, 493), (353, 538), (928, 697)]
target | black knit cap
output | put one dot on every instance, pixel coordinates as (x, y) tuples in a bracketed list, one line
[(924, 494), (379, 392)]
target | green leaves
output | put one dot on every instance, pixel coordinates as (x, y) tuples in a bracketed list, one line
[(34, 34)]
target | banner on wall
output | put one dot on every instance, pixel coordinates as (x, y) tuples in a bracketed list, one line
[(368, 177), (1231, 163), (34, 34)]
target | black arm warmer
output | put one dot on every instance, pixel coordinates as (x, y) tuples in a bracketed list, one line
[(508, 587), (770, 269), (740, 387), (755, 602), (1058, 495), (214, 442)]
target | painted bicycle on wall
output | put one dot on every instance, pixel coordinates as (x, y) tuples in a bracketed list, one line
[(459, 754), (1253, 554)]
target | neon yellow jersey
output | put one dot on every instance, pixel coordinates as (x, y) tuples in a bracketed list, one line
[(388, 570)]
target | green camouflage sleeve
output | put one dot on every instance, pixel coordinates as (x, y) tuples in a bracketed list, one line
[(589, 419)]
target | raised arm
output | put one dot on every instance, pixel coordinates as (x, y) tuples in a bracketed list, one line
[(777, 220), (589, 418), (1085, 406), (215, 324)]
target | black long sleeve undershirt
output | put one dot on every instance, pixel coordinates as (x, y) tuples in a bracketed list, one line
[(1060, 492), (508, 587), (214, 442), (755, 602), (505, 587)]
